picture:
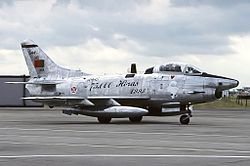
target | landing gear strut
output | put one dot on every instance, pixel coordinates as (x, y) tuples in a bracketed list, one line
[(185, 118)]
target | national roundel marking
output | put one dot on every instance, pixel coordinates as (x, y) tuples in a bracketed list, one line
[(73, 90)]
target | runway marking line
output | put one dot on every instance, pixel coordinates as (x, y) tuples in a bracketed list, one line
[(120, 132), (124, 156), (125, 147)]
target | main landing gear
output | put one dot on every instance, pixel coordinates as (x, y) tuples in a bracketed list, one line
[(136, 119), (106, 120)]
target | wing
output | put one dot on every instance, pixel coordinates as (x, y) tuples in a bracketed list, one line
[(82, 101), (60, 100), (113, 108)]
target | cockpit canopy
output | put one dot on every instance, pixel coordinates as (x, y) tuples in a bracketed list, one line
[(174, 68)]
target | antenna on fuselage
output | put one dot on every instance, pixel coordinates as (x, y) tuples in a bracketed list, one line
[(133, 68)]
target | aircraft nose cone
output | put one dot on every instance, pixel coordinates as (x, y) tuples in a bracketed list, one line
[(227, 83), (235, 83), (223, 83)]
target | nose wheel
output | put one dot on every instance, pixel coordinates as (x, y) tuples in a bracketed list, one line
[(187, 114), (185, 119)]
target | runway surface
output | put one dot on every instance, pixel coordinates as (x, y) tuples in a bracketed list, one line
[(41, 137)]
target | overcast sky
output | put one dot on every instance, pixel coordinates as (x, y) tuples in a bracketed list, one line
[(105, 36)]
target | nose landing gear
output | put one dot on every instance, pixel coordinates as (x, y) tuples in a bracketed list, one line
[(185, 118)]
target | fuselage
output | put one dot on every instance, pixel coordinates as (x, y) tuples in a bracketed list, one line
[(168, 89), (154, 89)]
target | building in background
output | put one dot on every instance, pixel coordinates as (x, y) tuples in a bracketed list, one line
[(11, 94)]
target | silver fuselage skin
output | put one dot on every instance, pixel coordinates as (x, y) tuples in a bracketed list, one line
[(171, 86), (140, 90)]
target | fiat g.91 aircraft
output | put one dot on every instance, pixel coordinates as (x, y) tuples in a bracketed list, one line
[(165, 90)]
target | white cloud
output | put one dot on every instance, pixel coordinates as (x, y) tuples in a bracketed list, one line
[(234, 65), (93, 57), (12, 62), (154, 12), (106, 36)]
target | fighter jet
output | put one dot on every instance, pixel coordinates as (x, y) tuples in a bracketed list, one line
[(163, 90)]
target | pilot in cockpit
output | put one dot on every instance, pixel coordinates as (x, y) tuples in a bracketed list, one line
[(191, 70)]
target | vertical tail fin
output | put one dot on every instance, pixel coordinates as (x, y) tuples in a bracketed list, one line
[(40, 65)]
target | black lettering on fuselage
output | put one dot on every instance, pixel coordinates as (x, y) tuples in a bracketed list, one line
[(97, 85), (138, 91), (106, 85), (125, 83)]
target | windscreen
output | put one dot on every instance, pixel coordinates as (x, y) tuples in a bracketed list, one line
[(192, 70)]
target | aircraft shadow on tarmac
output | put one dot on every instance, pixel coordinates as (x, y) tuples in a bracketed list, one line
[(115, 122)]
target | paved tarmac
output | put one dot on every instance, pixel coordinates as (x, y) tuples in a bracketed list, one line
[(41, 137)]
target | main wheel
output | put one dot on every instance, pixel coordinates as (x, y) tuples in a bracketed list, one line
[(184, 119), (104, 120), (136, 119)]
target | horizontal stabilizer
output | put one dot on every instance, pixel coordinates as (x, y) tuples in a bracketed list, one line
[(51, 82)]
